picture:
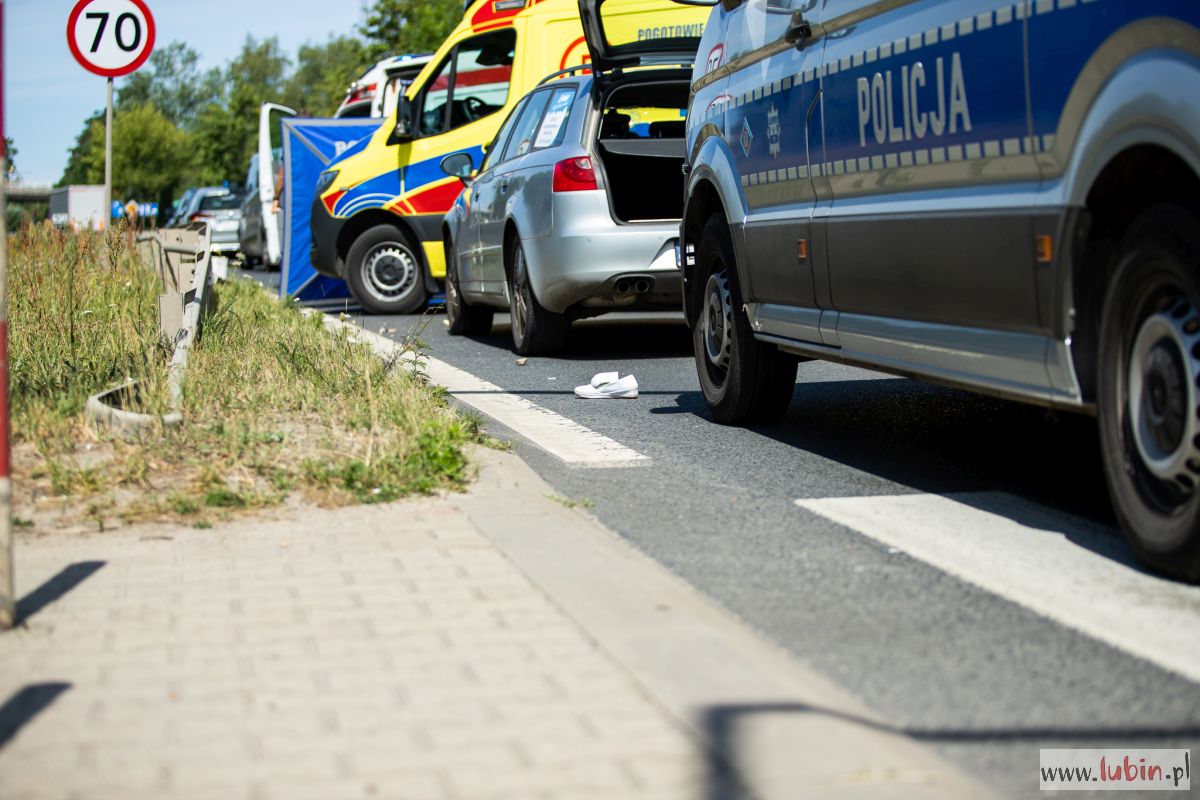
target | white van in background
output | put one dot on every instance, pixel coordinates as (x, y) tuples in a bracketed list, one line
[(375, 93)]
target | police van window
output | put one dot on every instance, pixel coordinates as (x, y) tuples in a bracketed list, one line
[(522, 137), (470, 84), (497, 146), (554, 122)]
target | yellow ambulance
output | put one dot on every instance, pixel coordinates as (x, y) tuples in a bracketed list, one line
[(376, 219)]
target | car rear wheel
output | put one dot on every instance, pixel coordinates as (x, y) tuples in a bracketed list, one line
[(464, 319), (744, 380), (384, 272), (534, 329), (1148, 391)]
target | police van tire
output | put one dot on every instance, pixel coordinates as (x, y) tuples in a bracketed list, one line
[(464, 319), (1148, 397), (743, 380), (535, 330), (385, 272)]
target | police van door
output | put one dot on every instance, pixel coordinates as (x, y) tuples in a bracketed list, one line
[(771, 100), (930, 162)]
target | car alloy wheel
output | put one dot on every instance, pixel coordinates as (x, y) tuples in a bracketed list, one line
[(519, 301)]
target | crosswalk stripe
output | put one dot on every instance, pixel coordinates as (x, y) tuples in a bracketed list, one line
[(1063, 568)]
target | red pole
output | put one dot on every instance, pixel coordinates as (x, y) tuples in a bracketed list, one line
[(8, 604)]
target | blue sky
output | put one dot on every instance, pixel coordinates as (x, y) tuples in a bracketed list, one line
[(47, 95)]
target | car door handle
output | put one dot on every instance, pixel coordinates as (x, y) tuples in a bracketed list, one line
[(798, 31), (504, 186)]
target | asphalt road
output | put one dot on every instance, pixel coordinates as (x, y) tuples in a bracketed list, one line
[(984, 680)]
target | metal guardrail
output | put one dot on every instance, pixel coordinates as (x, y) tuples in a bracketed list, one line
[(182, 259)]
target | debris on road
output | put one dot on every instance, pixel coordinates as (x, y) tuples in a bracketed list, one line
[(607, 385)]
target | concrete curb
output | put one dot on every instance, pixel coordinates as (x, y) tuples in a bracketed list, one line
[(784, 729)]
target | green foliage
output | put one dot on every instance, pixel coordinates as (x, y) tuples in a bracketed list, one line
[(10, 154), (392, 27), (273, 404), (77, 326), (150, 154), (77, 169), (173, 83), (323, 71), (225, 132)]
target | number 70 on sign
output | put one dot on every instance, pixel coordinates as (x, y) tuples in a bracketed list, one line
[(110, 37)]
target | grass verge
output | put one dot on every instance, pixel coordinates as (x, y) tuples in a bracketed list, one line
[(276, 407)]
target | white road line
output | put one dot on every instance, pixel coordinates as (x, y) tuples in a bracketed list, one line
[(557, 435), (554, 433), (1061, 567)]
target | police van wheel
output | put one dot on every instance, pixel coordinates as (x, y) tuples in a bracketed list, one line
[(534, 329), (1148, 395), (464, 319), (384, 272), (744, 380)]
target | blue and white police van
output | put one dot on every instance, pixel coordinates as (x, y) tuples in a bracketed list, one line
[(999, 196)]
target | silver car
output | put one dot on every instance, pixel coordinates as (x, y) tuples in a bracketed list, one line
[(222, 211), (575, 210)]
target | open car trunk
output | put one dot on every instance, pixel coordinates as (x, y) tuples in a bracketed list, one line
[(640, 145), (645, 178)]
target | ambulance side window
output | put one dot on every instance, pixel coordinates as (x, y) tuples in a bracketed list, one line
[(470, 84)]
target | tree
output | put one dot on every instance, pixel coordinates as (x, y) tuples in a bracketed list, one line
[(76, 171), (323, 71), (392, 27), (173, 83), (226, 131), (150, 155), (10, 154)]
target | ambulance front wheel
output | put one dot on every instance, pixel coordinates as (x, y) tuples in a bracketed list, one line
[(384, 272)]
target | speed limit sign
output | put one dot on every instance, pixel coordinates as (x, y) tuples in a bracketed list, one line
[(110, 37)]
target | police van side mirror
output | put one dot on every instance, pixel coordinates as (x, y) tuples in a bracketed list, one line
[(403, 132)]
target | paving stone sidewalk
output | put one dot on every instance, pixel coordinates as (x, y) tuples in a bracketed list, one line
[(388, 651)]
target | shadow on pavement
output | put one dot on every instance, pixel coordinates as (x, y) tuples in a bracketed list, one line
[(66, 580), (724, 726), (25, 705), (942, 441), (609, 338)]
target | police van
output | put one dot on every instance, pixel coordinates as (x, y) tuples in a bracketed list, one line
[(998, 196), (376, 220)]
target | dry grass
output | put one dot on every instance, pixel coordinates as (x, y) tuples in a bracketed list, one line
[(275, 406)]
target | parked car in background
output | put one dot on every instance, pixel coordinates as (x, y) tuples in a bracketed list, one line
[(374, 94), (222, 212), (575, 210), (221, 208), (180, 208), (990, 196)]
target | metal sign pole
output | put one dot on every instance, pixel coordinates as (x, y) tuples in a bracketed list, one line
[(8, 601), (108, 157)]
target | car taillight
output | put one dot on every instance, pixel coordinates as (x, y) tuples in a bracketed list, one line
[(362, 93), (574, 175)]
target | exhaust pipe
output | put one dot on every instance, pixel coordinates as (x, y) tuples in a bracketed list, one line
[(623, 286), (641, 286)]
